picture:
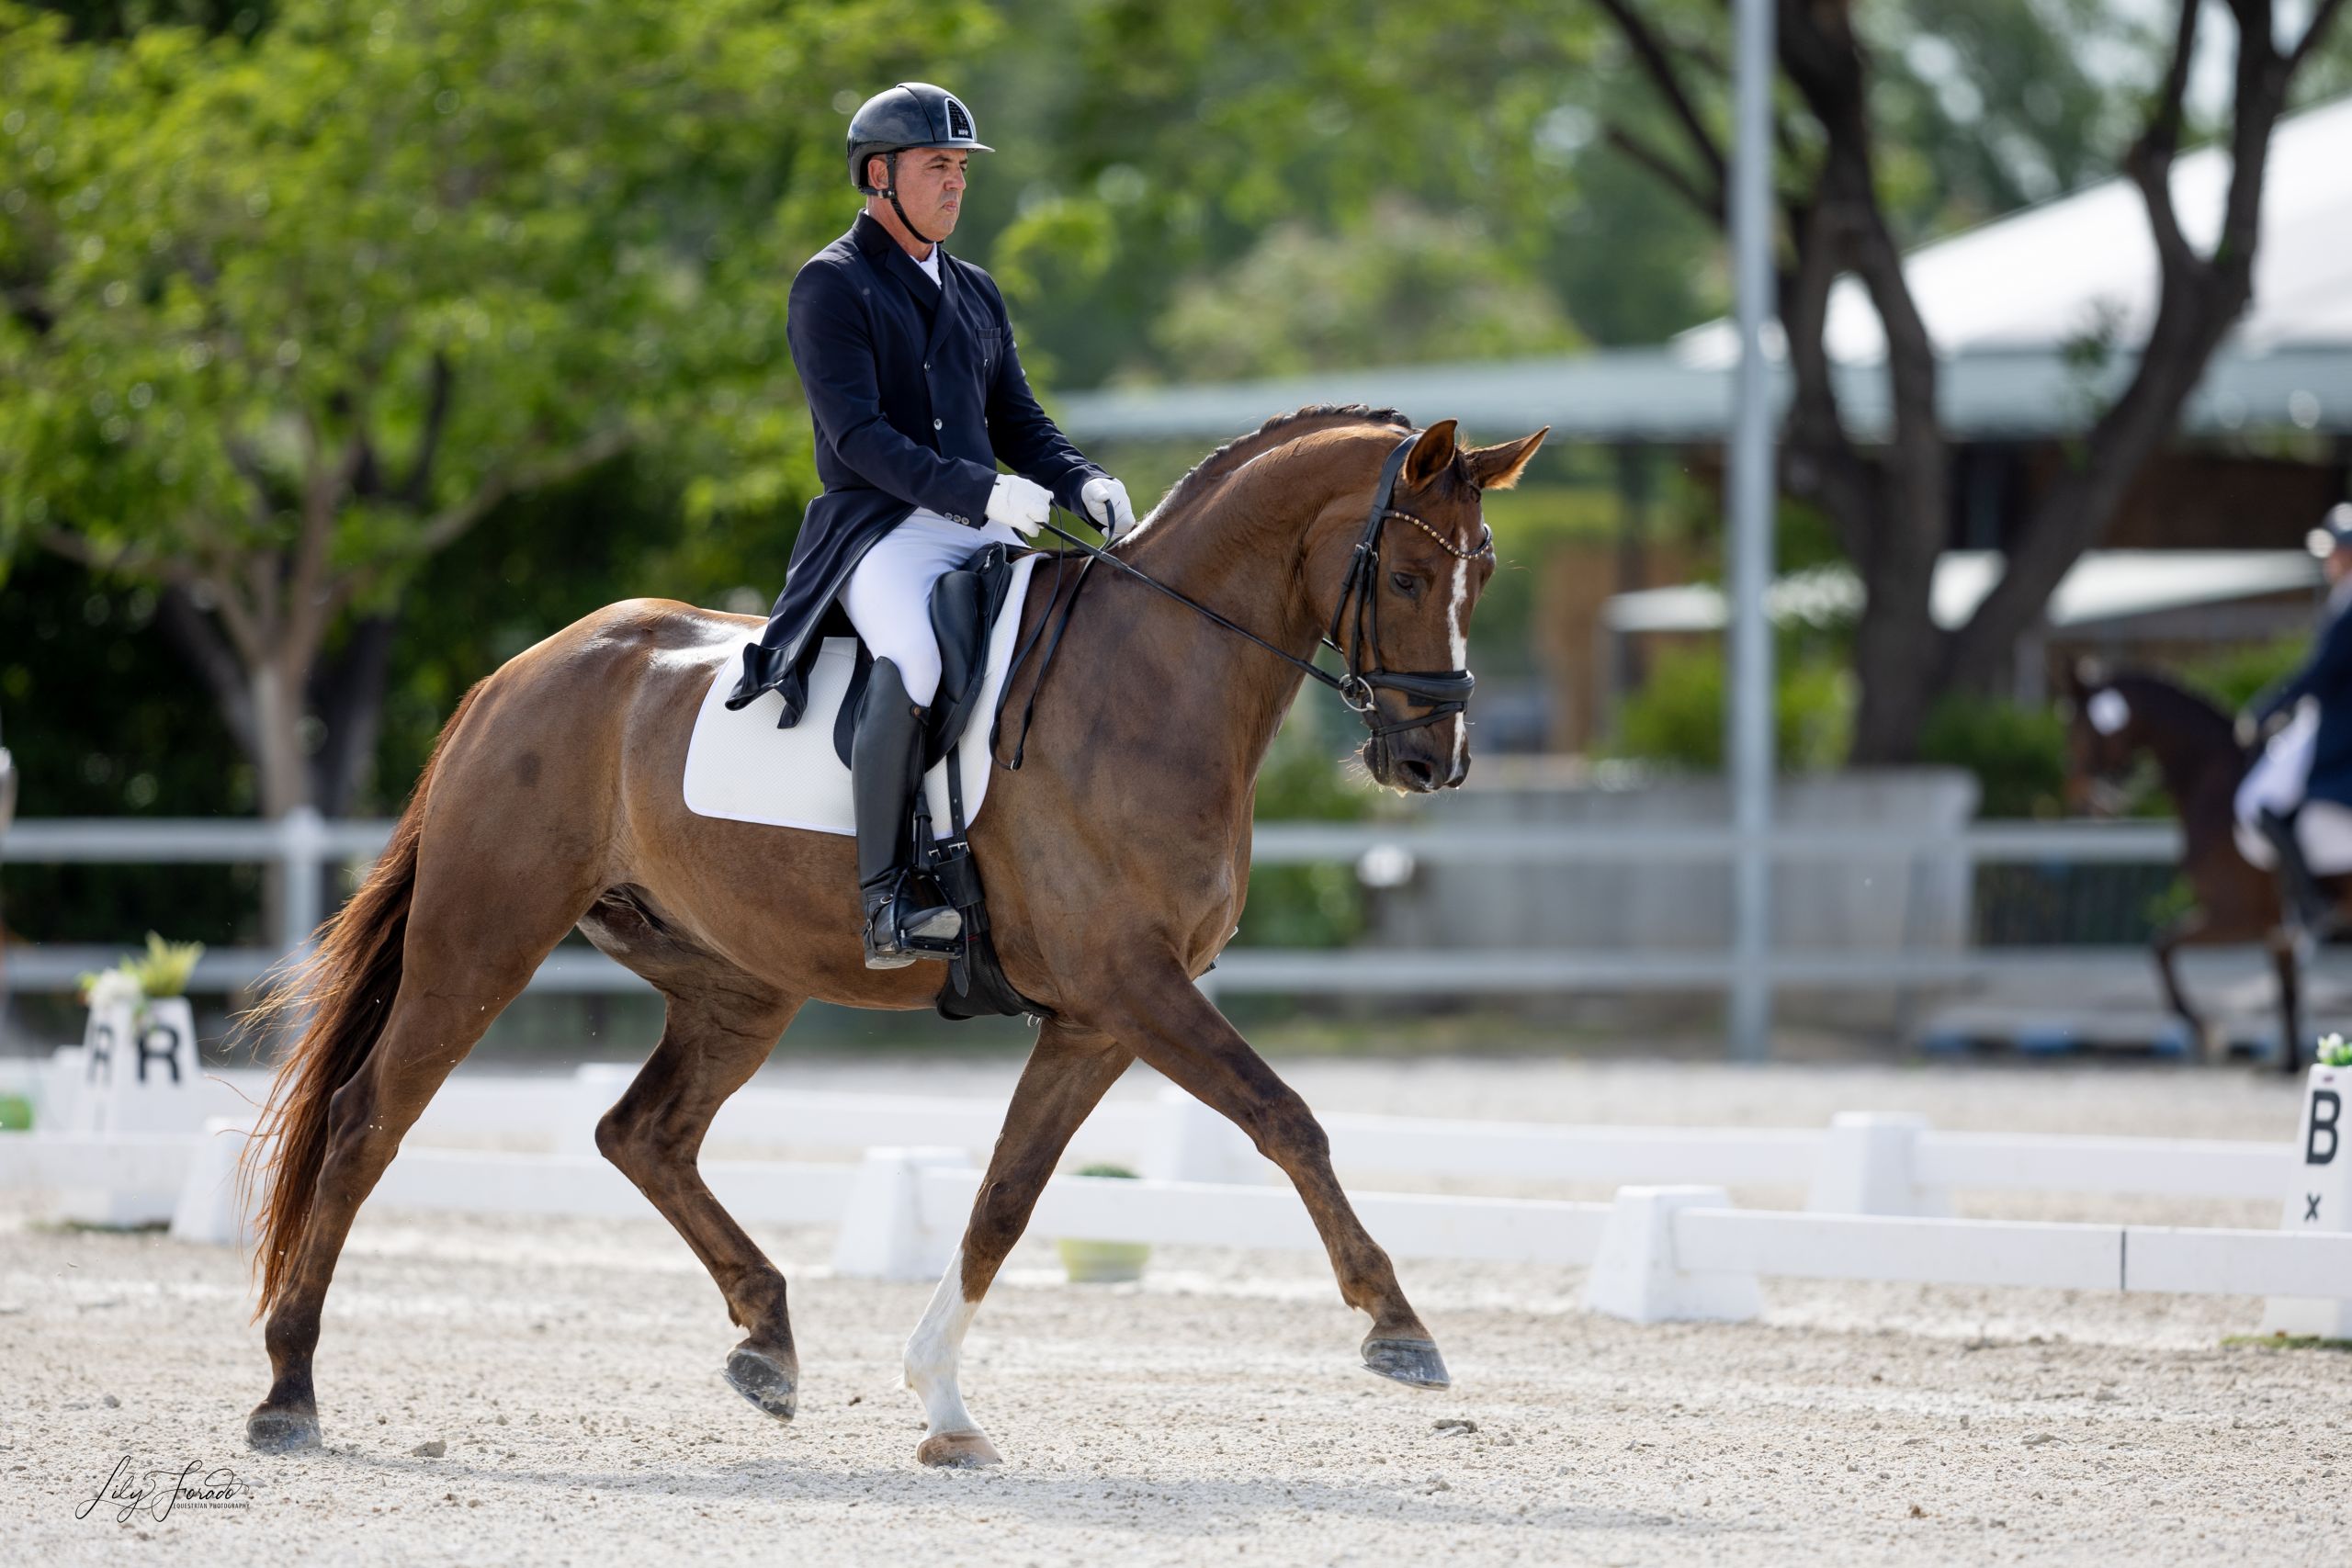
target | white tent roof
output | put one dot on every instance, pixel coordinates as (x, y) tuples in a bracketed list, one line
[(2104, 585), (2085, 263), (2003, 302)]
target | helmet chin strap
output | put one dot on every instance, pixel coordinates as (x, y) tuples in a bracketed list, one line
[(890, 167)]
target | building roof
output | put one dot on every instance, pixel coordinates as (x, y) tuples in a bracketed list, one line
[(2103, 586), (2084, 266), (2011, 304), (1653, 395)]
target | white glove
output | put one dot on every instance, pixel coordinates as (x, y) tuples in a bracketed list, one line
[(1105, 499), (1020, 504)]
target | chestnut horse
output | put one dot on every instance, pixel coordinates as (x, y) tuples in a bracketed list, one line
[(2198, 756), (1117, 862)]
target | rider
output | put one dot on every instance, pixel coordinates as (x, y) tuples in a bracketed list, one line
[(906, 355), (2311, 759)]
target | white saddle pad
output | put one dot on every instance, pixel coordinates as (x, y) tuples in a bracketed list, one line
[(741, 767)]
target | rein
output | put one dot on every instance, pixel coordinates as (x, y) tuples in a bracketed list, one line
[(1446, 692)]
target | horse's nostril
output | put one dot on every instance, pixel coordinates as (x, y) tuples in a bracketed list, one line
[(1422, 774)]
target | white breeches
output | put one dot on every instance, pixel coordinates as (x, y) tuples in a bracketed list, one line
[(888, 595), (2275, 781)]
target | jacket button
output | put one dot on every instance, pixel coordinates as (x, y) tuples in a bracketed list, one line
[(926, 364), (938, 424)]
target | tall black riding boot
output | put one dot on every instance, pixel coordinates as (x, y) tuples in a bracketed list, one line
[(2305, 904), (886, 769)]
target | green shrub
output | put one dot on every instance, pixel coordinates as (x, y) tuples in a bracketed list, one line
[(2018, 752), (2233, 677), (1306, 778), (1676, 718)]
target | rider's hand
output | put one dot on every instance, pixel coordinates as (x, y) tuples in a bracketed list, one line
[(1020, 504), (1105, 499)]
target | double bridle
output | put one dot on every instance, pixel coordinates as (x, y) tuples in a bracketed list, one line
[(1447, 691)]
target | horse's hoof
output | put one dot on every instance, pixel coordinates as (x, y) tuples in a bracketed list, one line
[(1413, 1362), (273, 1431), (771, 1384), (959, 1451)]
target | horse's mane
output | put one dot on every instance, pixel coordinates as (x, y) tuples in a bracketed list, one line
[(1226, 458)]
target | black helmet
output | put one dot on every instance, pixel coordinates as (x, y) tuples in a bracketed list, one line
[(912, 114)]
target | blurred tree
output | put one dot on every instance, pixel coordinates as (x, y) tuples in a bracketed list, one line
[(285, 318), (1405, 286), (1891, 503)]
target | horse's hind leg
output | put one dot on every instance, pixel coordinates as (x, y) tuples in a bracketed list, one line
[(1068, 1074), (460, 970), (2177, 934), (713, 1040)]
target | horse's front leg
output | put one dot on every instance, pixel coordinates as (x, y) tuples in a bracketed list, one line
[(1160, 1015), (1068, 1073)]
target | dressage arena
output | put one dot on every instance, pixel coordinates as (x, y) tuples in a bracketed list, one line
[(561, 1376)]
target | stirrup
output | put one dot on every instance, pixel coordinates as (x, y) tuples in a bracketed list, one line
[(890, 943)]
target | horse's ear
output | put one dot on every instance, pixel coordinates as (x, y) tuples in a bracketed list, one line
[(1498, 467), (1429, 456)]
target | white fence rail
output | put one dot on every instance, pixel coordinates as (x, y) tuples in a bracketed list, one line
[(307, 844), (1877, 1184), (1862, 1162)]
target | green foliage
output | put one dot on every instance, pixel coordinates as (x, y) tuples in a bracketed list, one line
[(1676, 717), (2018, 752), (2335, 1053), (290, 316), (2233, 677), (161, 971), (16, 1113), (1399, 287), (1107, 1168), (1308, 905)]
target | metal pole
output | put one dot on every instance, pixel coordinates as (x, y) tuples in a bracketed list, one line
[(1750, 531), (303, 853)]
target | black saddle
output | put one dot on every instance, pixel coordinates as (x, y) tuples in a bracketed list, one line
[(965, 604)]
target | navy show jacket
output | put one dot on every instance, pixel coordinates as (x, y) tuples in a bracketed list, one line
[(2327, 678), (916, 392)]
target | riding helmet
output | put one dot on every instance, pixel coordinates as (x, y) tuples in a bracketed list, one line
[(912, 114)]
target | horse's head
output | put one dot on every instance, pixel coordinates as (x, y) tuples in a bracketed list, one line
[(1433, 564), (2103, 737)]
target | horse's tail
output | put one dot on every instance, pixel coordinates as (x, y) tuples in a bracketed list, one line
[(346, 987)]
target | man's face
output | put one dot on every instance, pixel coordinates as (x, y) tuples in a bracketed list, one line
[(930, 187)]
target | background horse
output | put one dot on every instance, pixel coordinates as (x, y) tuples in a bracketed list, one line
[(1117, 860), (2197, 753)]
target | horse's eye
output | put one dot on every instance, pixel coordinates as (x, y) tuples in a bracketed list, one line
[(1405, 584)]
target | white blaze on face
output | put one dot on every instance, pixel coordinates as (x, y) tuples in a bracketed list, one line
[(937, 1348), (2108, 711), (1457, 641)]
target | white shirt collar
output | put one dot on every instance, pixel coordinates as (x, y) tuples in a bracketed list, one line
[(930, 265)]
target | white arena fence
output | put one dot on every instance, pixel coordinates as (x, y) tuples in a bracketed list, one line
[(306, 844), (1878, 1186)]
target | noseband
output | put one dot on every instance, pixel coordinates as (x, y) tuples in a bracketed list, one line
[(1447, 691)]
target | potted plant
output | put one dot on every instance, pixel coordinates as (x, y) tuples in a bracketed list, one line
[(139, 1014), (1104, 1262)]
